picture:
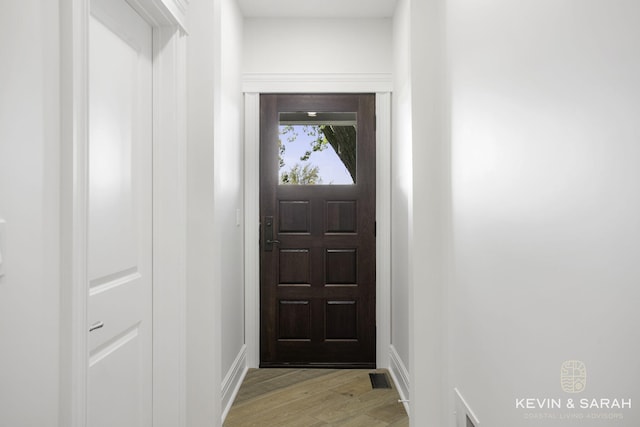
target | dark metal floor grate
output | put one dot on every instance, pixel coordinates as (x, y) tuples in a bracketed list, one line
[(379, 380)]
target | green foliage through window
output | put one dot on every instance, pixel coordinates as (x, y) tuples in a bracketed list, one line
[(341, 138)]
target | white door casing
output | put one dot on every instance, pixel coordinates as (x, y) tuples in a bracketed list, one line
[(119, 259), (253, 86)]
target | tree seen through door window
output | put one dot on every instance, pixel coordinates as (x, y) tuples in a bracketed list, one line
[(313, 154)]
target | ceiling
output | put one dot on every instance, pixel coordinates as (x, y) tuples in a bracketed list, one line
[(317, 8)]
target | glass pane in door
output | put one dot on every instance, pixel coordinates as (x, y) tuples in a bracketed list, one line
[(317, 148)]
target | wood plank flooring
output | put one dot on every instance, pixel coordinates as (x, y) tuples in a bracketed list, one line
[(314, 397)]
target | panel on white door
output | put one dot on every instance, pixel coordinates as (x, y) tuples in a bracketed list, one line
[(120, 217)]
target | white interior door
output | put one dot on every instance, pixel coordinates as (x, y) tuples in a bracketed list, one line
[(120, 217)]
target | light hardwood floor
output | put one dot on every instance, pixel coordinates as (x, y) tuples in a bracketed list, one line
[(314, 397)]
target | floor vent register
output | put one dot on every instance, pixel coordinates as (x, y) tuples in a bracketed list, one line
[(379, 380)]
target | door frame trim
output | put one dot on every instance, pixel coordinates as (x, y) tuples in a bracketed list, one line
[(316, 83), (329, 83), (168, 210)]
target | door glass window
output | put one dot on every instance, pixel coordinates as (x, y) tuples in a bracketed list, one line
[(317, 148)]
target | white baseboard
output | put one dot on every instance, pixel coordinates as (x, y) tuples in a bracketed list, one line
[(233, 380), (400, 376)]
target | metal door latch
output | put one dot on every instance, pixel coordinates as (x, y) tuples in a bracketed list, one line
[(95, 326)]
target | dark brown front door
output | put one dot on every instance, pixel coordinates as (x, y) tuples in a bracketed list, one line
[(317, 209)]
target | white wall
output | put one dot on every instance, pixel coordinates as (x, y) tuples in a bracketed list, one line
[(546, 148), (428, 215), (215, 300), (401, 185), (317, 46), (29, 202), (203, 257), (229, 188)]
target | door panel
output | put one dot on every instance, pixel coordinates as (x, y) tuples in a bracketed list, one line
[(318, 230), (120, 219)]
